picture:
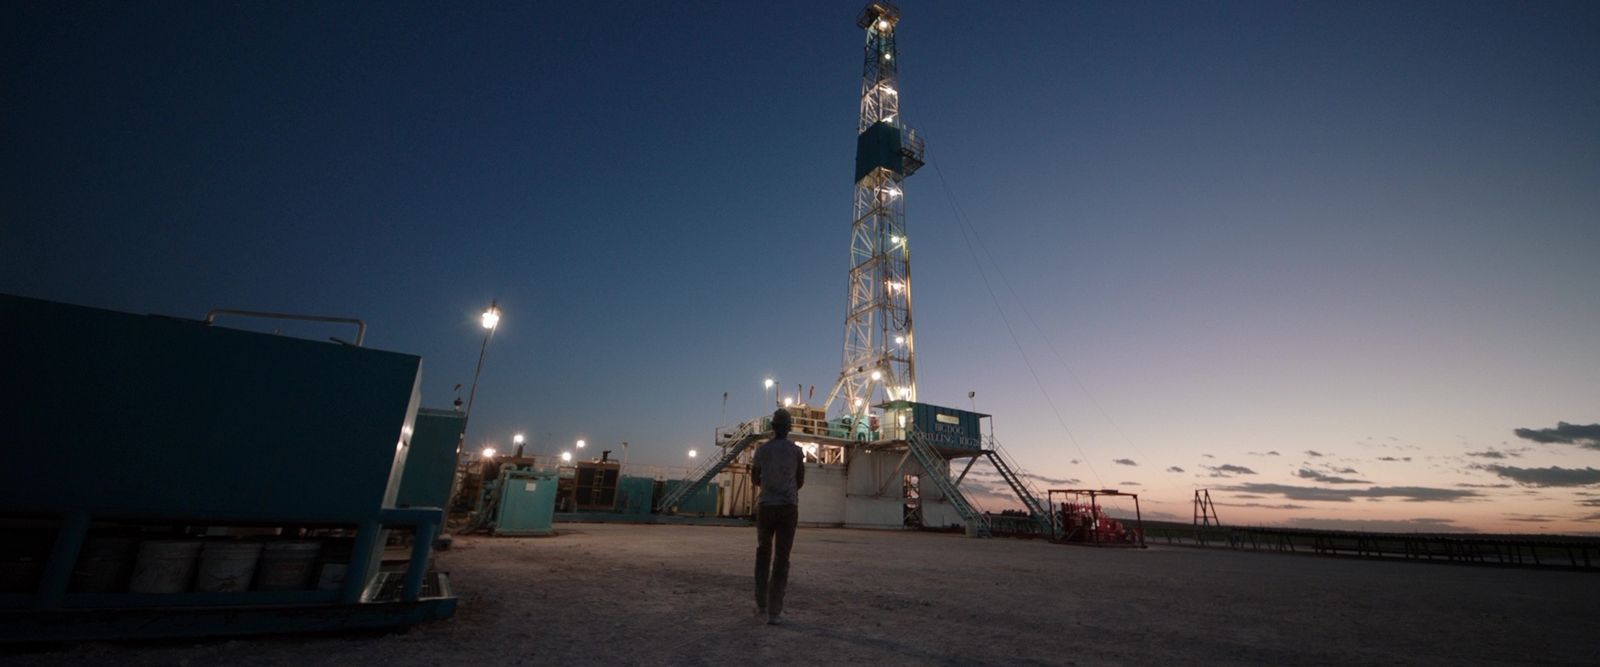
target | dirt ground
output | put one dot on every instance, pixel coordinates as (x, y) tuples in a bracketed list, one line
[(635, 594)]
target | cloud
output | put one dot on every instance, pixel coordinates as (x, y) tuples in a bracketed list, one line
[(1531, 518), (1415, 494), (1271, 453), (1590, 502), (1207, 456), (1228, 470), (1382, 526), (1285, 506), (1307, 473), (1586, 436), (1314, 453), (1552, 476), (1469, 485), (1130, 483), (1125, 462), (1174, 469), (1056, 481), (1591, 517), (1407, 459), (1492, 453)]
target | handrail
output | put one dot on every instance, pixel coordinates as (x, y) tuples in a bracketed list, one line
[(361, 326)]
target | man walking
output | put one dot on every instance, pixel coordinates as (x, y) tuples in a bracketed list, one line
[(778, 468)]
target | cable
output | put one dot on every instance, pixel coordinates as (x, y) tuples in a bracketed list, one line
[(962, 225), (1138, 451)]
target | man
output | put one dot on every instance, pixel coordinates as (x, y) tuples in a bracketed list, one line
[(778, 468)]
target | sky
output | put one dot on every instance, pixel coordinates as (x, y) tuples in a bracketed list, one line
[(1322, 259)]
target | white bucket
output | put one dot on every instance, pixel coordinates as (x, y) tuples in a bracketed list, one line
[(331, 576), (287, 566), (227, 566), (164, 566), (335, 563)]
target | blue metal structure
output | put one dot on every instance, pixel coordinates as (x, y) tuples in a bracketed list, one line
[(527, 502), (155, 420), (431, 463)]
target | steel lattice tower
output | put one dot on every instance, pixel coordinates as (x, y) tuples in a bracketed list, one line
[(879, 341)]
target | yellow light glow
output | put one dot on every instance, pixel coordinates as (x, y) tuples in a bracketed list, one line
[(883, 25), (877, 375), (888, 56), (566, 456), (518, 439), (788, 402), (491, 317), (488, 452), (767, 383), (582, 444), (899, 340), (693, 453), (859, 402)]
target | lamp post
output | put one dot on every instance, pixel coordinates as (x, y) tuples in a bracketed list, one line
[(490, 321), (768, 384), (518, 440)]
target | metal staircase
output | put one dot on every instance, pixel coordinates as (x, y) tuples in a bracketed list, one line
[(936, 468), (746, 435), (1020, 486)]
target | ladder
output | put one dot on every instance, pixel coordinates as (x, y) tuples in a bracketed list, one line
[(1024, 490), (745, 436), (937, 468)]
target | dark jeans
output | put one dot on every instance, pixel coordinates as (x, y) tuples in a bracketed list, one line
[(773, 521)]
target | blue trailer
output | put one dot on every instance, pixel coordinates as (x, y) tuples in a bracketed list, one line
[(123, 421)]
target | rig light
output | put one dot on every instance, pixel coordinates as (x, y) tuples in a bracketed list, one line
[(488, 452), (566, 457)]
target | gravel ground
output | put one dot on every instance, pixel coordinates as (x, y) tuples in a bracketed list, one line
[(633, 594)]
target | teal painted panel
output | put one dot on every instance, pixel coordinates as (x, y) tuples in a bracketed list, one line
[(878, 146), (132, 415), (947, 427), (527, 502), (635, 495), (431, 463), (702, 501)]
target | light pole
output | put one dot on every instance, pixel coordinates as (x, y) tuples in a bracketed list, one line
[(518, 440), (490, 321), (768, 384)]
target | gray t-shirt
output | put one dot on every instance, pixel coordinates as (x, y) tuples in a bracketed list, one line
[(779, 469)]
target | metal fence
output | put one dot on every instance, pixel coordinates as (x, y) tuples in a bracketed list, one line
[(1562, 553)]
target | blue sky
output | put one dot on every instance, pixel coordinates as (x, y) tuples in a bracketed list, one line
[(1366, 230)]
